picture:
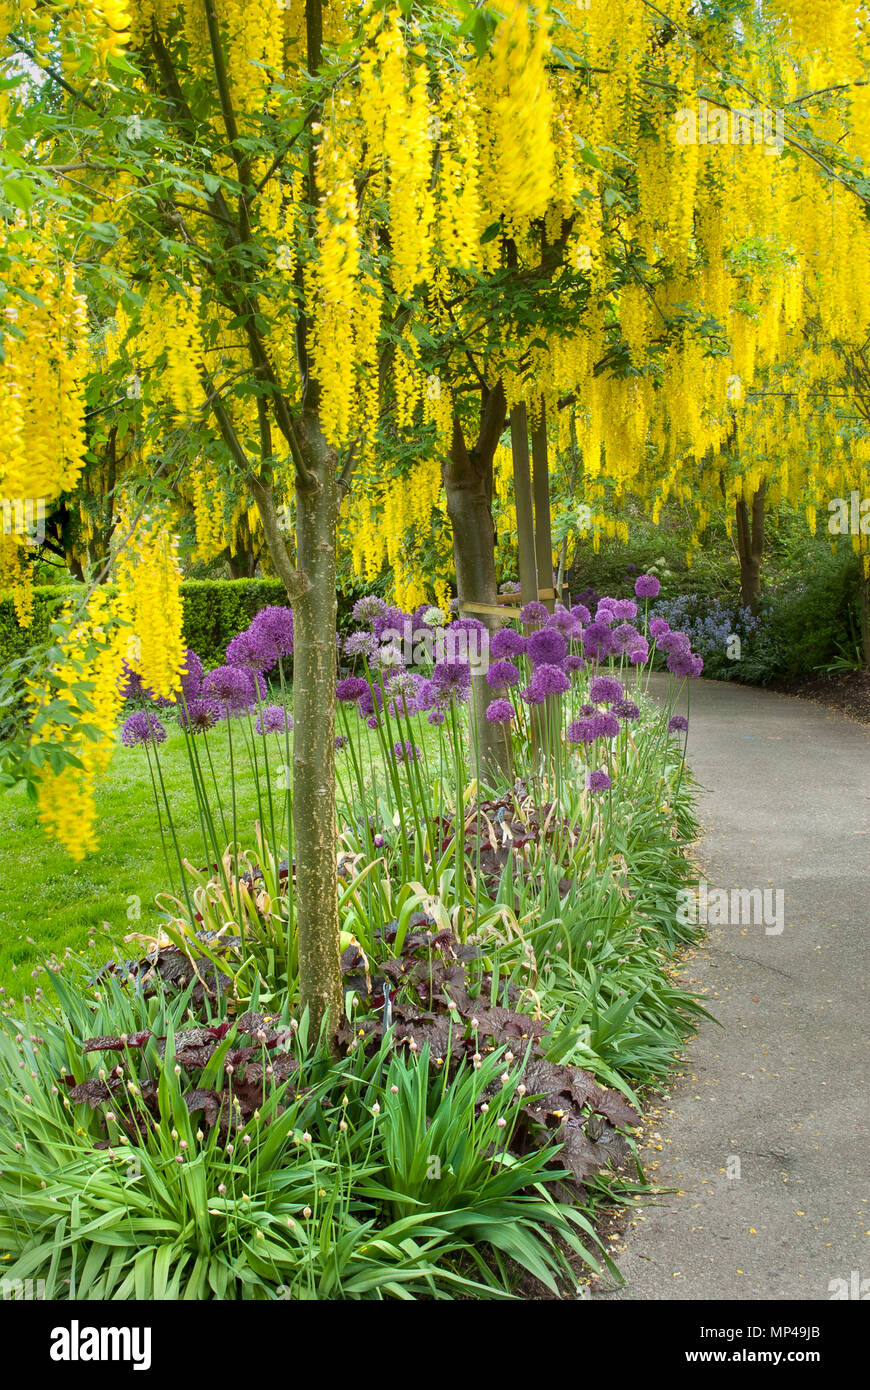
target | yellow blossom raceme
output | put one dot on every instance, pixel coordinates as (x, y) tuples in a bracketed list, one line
[(149, 576), (514, 95), (333, 280), (94, 648)]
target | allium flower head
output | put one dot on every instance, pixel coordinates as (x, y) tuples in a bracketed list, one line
[(407, 751), (658, 627), (367, 608), (574, 664), (230, 689), (604, 691), (197, 717), (625, 609), (142, 727), (646, 586), (341, 741), (565, 622), (676, 643), (549, 680), (271, 635), (625, 709), (597, 641), (581, 613), (273, 719), (351, 688), (625, 637), (582, 731), (678, 724), (639, 652), (507, 642), (502, 673), (598, 782), (452, 678), (500, 712), (361, 644), (607, 725), (391, 620), (547, 646), (533, 612)]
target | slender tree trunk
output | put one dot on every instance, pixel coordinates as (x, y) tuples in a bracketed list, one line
[(750, 547), (541, 495), (314, 667), (468, 485), (523, 503)]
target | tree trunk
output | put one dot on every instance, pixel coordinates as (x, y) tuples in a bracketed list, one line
[(314, 665), (523, 503), (541, 494), (468, 485), (750, 547)]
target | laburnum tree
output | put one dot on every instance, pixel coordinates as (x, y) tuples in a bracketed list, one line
[(337, 248)]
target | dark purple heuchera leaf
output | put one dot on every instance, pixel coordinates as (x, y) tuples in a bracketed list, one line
[(116, 1044)]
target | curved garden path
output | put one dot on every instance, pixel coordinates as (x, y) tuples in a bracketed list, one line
[(783, 1088)]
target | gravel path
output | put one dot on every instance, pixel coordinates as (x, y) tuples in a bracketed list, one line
[(765, 1131)]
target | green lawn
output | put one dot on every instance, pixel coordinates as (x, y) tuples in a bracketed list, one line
[(46, 896)]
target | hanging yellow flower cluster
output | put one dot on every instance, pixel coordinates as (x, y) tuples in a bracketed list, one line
[(148, 572), (333, 284), (514, 97), (94, 648)]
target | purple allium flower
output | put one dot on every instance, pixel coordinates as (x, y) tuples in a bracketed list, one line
[(625, 609), (598, 782), (379, 841), (229, 689), (625, 709), (273, 719), (435, 716), (581, 613), (391, 620), (582, 731), (198, 716), (534, 612), (341, 741), (406, 751), (452, 678), (646, 586), (271, 633), (502, 673), (597, 641), (547, 647), (191, 680), (507, 642), (373, 722), (370, 699), (678, 724), (607, 725), (142, 727), (588, 711), (685, 664), (500, 712), (404, 684), (550, 680), (605, 691), (676, 643), (565, 622), (638, 652), (658, 627), (605, 603), (351, 688), (368, 607), (625, 637), (129, 683), (533, 694), (574, 664), (361, 644), (242, 651), (511, 587)]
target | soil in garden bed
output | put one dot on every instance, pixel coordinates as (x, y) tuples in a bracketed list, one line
[(849, 693)]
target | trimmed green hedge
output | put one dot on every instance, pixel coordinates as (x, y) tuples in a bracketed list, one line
[(214, 611)]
